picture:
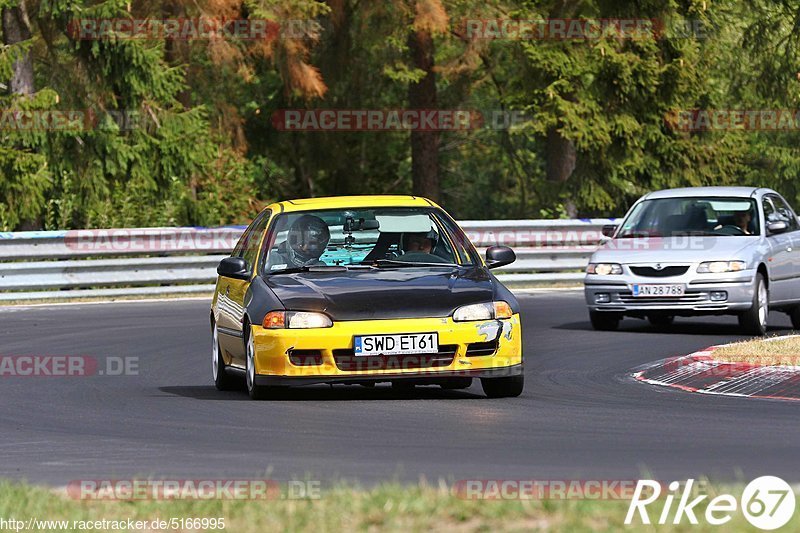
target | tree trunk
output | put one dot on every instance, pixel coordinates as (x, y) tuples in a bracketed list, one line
[(422, 95), (561, 154), (174, 56), (561, 160), (17, 29)]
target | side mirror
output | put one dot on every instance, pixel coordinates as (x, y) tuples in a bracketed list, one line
[(609, 230), (233, 267), (778, 226), (497, 256)]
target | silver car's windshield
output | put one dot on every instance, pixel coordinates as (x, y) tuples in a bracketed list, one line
[(712, 216)]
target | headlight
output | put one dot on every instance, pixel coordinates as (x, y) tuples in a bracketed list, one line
[(604, 269), (296, 320), (487, 311), (717, 267)]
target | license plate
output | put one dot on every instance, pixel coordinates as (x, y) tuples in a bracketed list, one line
[(658, 290), (400, 344)]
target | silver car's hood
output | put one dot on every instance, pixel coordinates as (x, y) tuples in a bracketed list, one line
[(675, 249)]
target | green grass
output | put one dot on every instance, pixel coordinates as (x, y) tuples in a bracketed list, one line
[(388, 507)]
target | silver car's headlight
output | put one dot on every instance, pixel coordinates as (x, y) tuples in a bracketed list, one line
[(718, 267), (604, 269)]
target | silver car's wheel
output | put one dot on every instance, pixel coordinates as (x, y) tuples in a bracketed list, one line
[(604, 320), (763, 305), (754, 320)]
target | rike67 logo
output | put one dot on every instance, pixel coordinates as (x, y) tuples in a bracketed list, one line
[(767, 502)]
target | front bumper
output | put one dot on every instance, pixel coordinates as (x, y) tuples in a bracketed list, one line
[(490, 348), (739, 288)]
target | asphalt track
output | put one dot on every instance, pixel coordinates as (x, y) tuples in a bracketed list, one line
[(580, 417)]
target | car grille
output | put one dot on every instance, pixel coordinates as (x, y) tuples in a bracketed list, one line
[(477, 349), (345, 360), (689, 297), (650, 272)]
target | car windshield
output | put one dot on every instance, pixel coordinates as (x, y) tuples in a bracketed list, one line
[(364, 238), (670, 217)]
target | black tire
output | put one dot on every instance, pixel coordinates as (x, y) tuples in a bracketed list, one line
[(754, 320), (456, 383), (604, 321), (255, 391), (661, 321), (222, 380), (795, 316), (508, 387)]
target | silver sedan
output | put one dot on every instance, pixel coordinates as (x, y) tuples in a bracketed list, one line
[(698, 251)]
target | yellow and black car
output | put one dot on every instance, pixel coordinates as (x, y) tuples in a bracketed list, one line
[(361, 290)]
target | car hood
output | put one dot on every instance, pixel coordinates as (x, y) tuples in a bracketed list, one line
[(674, 249), (382, 294)]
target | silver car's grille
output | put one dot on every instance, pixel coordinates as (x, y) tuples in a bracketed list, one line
[(689, 297), (650, 272)]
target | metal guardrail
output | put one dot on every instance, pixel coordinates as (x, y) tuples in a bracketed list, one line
[(42, 265)]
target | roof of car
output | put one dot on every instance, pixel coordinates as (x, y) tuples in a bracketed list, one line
[(739, 192), (355, 202)]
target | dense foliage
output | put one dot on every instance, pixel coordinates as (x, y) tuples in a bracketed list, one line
[(183, 132)]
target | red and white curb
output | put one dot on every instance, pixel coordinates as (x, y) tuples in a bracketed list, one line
[(700, 372)]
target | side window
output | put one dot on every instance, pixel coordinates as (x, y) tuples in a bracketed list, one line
[(247, 247), (784, 213)]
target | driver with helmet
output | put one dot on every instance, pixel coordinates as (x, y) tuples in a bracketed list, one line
[(307, 240), (419, 242), (419, 247)]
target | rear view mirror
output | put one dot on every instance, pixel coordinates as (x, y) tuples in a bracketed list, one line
[(497, 256), (234, 267), (359, 224), (609, 230)]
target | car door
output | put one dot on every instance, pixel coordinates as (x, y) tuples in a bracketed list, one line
[(783, 257), (786, 214), (231, 293)]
